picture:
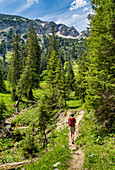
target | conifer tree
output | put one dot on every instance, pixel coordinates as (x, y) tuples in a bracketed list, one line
[(15, 68), (81, 83), (54, 77), (4, 51), (54, 71), (101, 54), (30, 77), (2, 84), (53, 42), (2, 110), (70, 76), (45, 115)]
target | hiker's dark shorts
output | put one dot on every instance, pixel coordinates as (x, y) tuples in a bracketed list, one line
[(72, 129)]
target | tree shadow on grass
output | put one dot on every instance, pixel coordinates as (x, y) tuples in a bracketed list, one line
[(5, 92), (73, 107)]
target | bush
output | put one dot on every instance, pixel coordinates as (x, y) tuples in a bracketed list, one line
[(17, 135), (29, 148)]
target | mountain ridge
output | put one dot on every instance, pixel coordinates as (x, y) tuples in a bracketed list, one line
[(21, 24)]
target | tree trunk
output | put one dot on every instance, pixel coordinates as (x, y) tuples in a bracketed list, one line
[(45, 138)]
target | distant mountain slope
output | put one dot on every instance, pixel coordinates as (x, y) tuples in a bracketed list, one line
[(21, 25)]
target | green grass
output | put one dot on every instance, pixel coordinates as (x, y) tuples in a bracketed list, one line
[(58, 152), (27, 117), (73, 103), (8, 102), (97, 144), (9, 153)]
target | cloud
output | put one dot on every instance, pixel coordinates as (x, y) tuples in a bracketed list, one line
[(25, 6), (85, 9), (75, 16), (22, 8), (32, 1), (77, 20), (77, 4)]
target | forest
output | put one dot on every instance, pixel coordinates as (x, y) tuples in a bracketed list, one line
[(42, 78)]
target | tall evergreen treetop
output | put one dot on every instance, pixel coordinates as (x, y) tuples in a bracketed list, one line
[(15, 68), (53, 42), (30, 76)]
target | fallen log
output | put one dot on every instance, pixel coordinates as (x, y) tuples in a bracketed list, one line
[(13, 165)]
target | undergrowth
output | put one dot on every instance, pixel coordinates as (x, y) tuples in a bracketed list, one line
[(98, 145), (58, 152)]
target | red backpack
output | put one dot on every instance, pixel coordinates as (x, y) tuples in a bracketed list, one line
[(71, 121)]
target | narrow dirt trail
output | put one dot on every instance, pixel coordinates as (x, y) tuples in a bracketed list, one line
[(77, 155), (77, 160)]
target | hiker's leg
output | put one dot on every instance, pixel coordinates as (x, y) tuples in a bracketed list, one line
[(71, 134)]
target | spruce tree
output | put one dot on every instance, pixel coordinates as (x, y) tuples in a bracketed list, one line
[(30, 77), (54, 71), (4, 52), (101, 55), (70, 76), (45, 116), (81, 83), (53, 41), (2, 83), (2, 111), (15, 68)]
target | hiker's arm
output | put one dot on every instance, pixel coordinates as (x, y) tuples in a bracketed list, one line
[(74, 120)]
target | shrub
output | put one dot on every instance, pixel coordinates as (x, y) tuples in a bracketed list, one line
[(29, 148)]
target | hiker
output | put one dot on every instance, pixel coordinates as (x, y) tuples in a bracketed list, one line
[(71, 122)]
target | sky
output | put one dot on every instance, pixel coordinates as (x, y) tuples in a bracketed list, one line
[(69, 12)]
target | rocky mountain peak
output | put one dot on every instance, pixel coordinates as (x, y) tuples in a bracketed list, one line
[(21, 24)]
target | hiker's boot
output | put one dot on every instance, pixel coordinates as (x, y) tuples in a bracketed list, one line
[(72, 141)]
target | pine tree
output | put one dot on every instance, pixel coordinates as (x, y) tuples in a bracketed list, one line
[(101, 55)]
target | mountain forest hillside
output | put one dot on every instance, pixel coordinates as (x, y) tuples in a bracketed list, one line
[(68, 44), (43, 79)]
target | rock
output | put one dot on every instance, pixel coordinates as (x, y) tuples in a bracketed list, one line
[(77, 153), (74, 149), (55, 165), (92, 155)]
